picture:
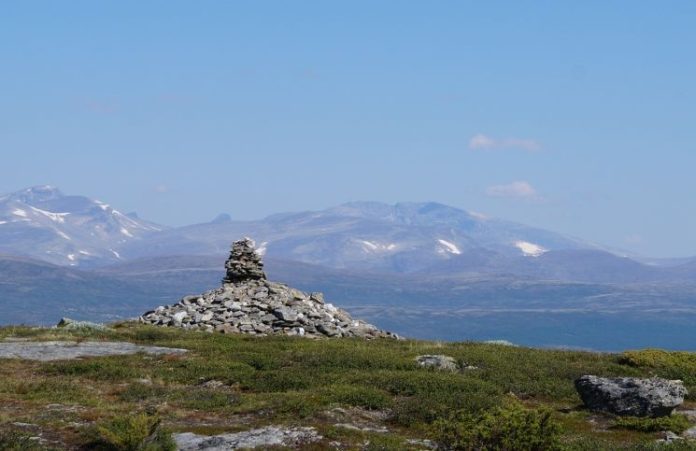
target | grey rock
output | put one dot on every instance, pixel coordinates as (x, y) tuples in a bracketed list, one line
[(71, 324), (501, 343), (690, 433), (285, 314), (669, 437), (67, 350), (425, 443), (439, 362), (255, 438), (631, 396), (353, 427)]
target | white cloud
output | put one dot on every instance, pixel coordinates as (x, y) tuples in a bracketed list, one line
[(483, 142), (161, 189), (518, 190)]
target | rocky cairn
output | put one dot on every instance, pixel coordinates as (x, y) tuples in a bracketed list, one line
[(248, 303)]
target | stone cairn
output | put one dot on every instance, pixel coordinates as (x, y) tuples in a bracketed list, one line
[(248, 303)]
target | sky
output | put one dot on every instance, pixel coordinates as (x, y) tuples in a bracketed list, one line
[(578, 117)]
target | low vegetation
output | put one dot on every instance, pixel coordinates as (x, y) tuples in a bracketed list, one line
[(515, 398), (674, 423), (509, 427), (139, 432)]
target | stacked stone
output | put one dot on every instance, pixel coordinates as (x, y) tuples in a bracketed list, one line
[(248, 303), (244, 263)]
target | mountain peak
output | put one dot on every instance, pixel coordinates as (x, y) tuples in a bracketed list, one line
[(222, 218), (39, 193)]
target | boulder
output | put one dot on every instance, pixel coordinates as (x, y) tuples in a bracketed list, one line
[(439, 362), (631, 396)]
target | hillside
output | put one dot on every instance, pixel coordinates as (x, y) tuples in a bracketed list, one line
[(355, 394)]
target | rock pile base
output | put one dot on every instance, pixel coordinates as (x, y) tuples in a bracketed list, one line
[(248, 303)]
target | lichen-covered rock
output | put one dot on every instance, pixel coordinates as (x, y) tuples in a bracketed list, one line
[(46, 351), (631, 396), (269, 436), (248, 303), (439, 362), (71, 324)]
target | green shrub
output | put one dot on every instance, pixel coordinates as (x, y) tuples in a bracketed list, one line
[(137, 392), (139, 432), (413, 410), (279, 381), (674, 423), (201, 398), (511, 427), (111, 368), (297, 404), (670, 365), (366, 397)]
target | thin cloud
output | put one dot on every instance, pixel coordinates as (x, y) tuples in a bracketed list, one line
[(483, 142), (514, 190)]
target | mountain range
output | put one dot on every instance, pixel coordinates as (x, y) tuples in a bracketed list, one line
[(422, 269), (406, 238)]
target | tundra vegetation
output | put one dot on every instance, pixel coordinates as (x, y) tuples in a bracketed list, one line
[(503, 397)]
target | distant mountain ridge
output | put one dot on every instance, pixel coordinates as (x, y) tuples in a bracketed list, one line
[(405, 238)]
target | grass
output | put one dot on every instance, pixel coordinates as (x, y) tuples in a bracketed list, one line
[(295, 381)]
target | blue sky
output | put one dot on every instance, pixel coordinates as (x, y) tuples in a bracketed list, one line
[(574, 116)]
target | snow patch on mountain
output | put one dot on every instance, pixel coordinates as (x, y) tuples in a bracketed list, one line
[(372, 246), (56, 217), (479, 216), (102, 205), (63, 235), (448, 247), (530, 249)]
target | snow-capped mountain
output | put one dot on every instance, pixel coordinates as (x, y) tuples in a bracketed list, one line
[(404, 237), (43, 223)]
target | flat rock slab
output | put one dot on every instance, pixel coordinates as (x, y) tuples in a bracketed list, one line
[(255, 438), (67, 350)]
